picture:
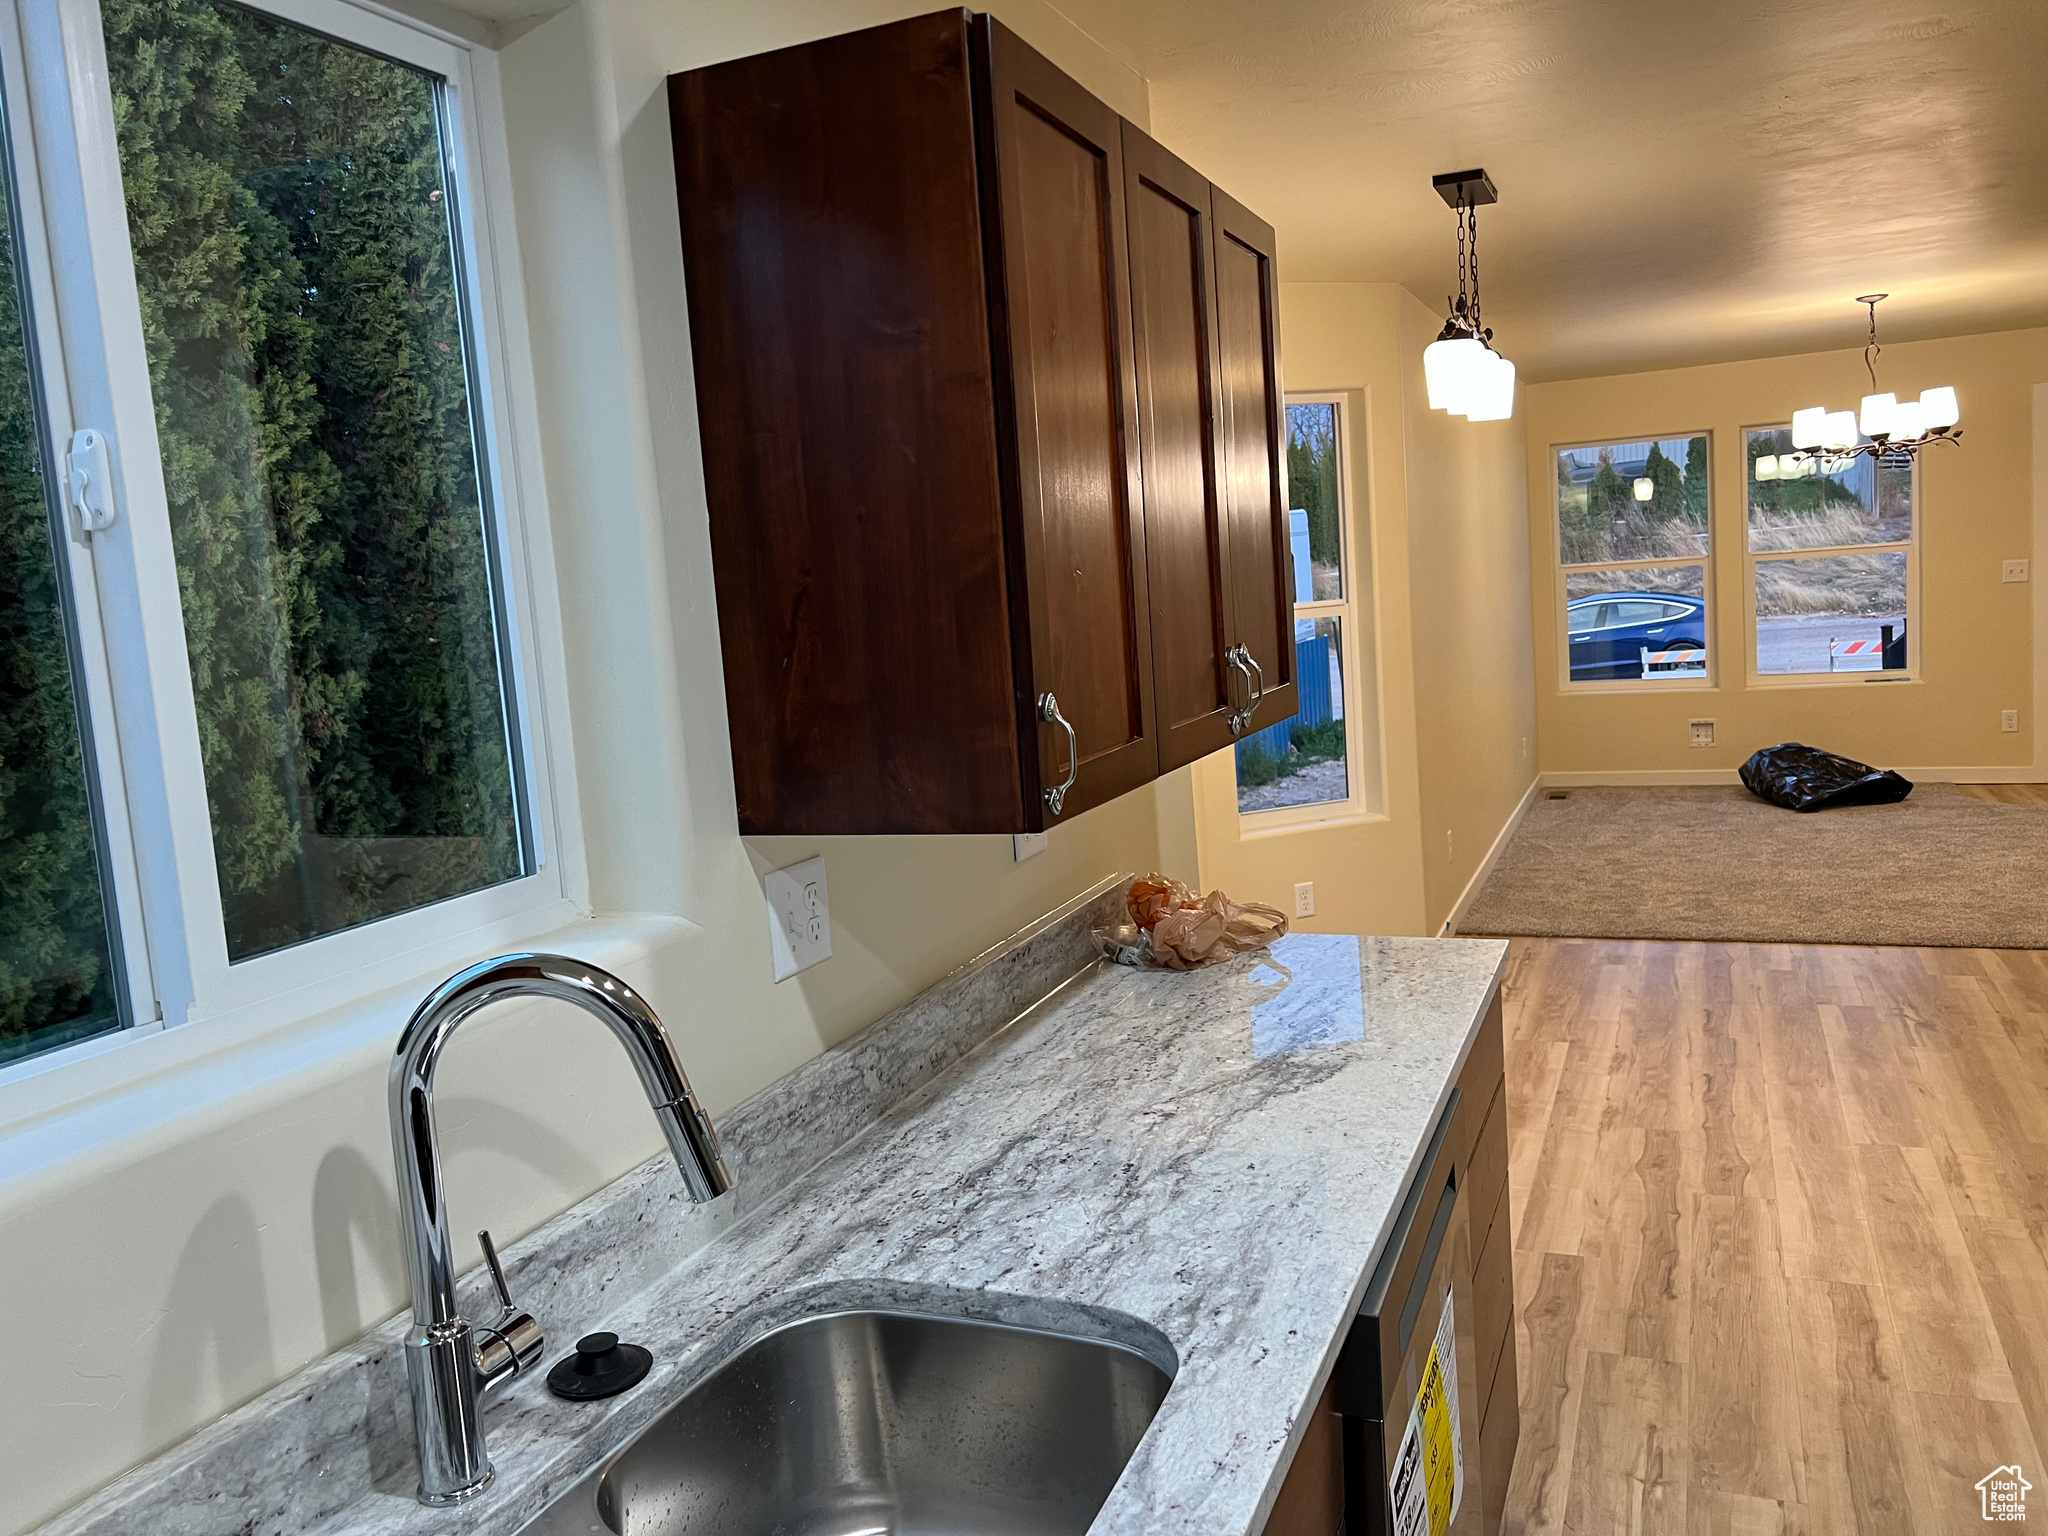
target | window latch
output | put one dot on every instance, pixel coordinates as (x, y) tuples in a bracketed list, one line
[(89, 473)]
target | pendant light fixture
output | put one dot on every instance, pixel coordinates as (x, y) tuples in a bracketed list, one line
[(1463, 373), (1897, 429)]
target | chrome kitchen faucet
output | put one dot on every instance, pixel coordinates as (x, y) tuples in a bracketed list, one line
[(449, 1364)]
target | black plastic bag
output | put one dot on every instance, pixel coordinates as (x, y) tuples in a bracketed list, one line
[(1807, 779)]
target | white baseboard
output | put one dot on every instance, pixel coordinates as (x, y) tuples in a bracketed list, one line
[(1629, 777), (1626, 778), (1492, 857)]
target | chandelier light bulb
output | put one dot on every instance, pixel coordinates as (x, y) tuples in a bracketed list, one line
[(1909, 422), (1876, 419), (1644, 487), (1767, 467), (1838, 431), (1940, 408), (1806, 426)]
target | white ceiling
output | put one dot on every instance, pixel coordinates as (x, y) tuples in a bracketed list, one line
[(1681, 180)]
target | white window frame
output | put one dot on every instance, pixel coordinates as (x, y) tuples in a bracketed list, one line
[(1561, 643), (163, 878), (1360, 782), (1910, 548)]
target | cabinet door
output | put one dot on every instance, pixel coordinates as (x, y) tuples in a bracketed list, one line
[(1067, 404), (1173, 319), (832, 235), (1253, 452)]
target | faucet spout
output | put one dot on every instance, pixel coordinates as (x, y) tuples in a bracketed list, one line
[(447, 1369)]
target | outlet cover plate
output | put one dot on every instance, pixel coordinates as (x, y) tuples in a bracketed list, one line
[(1027, 845), (799, 917), (1305, 898), (2015, 570), (2008, 720), (1702, 733)]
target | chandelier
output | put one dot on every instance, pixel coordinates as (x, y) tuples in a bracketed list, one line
[(1464, 375), (1897, 429)]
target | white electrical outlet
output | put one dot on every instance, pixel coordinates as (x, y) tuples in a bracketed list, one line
[(799, 917), (1305, 898), (2008, 720), (2015, 570), (1027, 845), (1702, 733)]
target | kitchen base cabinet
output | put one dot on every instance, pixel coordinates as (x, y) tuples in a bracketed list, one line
[(1311, 1500), (1500, 1431), (1450, 1247), (952, 437), (1493, 1278)]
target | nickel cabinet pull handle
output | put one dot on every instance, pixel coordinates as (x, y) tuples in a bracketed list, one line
[(1251, 663), (1049, 710), (1239, 718)]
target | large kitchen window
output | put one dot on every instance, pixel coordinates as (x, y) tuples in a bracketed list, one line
[(1634, 536), (253, 521), (1306, 761), (56, 951), (1832, 547)]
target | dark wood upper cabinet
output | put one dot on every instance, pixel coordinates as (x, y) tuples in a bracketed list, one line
[(1059, 277), (1173, 321), (1254, 439), (969, 470)]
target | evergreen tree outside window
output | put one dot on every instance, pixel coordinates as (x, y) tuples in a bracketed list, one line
[(57, 981), (1634, 538), (290, 212)]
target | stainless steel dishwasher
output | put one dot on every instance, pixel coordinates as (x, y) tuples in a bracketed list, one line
[(1407, 1376)]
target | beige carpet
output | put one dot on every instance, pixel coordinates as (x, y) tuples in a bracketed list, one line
[(1942, 868)]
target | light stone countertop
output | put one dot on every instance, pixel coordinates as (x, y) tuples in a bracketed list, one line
[(1216, 1154)]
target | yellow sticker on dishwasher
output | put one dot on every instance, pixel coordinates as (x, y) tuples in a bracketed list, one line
[(1428, 1479)]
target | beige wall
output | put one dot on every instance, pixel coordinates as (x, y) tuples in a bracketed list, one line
[(175, 1245), (1345, 338), (1975, 632), (1440, 559), (1468, 563)]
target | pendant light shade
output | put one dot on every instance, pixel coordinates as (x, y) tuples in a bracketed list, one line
[(1451, 368), (1941, 408), (1808, 426), (1838, 431), (1492, 390), (1876, 415)]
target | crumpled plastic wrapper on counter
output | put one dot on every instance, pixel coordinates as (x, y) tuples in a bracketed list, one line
[(1171, 926)]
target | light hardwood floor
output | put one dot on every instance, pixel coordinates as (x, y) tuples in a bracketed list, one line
[(2007, 794), (1781, 1235)]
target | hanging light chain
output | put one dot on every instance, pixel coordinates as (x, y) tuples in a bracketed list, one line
[(1461, 305), (1472, 214), (1872, 351)]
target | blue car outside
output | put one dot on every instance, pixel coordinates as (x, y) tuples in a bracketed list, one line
[(1609, 631)]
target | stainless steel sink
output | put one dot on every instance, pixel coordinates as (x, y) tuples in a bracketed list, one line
[(861, 1423)]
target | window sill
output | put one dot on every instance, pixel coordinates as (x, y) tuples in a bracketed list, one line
[(1831, 680), (77, 1116), (1301, 820), (1597, 690)]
